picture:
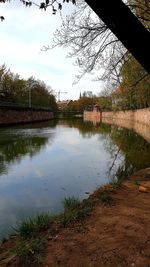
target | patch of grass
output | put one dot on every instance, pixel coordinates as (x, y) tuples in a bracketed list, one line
[(31, 252), (25, 228), (105, 198), (34, 232), (71, 203), (31, 226), (120, 175), (84, 210), (42, 221), (73, 210), (136, 182), (66, 218), (116, 183)]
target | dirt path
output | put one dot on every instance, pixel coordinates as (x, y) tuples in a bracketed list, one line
[(116, 235)]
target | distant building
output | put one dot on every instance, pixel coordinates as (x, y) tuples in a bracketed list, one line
[(64, 103), (96, 108)]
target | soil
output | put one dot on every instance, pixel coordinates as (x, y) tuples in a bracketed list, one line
[(114, 235)]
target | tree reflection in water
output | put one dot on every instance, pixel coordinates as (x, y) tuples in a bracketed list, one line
[(131, 149), (96, 154), (17, 142), (134, 149)]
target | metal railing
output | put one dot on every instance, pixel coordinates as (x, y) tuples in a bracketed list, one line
[(9, 104)]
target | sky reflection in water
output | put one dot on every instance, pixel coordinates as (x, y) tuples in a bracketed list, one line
[(40, 164)]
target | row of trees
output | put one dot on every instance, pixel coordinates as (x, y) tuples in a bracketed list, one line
[(134, 90), (24, 93), (87, 100), (121, 98)]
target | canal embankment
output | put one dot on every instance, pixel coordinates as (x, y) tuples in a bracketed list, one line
[(136, 120), (23, 115), (135, 116)]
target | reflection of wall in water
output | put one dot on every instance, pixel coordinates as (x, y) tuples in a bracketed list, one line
[(93, 116), (141, 129), (138, 120)]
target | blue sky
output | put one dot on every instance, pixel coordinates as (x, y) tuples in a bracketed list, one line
[(22, 35)]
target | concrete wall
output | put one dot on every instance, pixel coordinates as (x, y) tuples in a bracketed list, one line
[(13, 116)]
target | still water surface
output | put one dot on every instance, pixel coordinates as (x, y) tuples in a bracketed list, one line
[(41, 164)]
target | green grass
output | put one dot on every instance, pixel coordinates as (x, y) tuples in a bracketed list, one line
[(71, 203), (116, 183), (42, 221), (136, 182), (34, 232), (66, 218), (73, 210), (25, 228), (31, 226), (120, 175), (31, 251), (105, 198)]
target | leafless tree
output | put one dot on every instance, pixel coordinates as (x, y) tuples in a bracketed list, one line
[(91, 43)]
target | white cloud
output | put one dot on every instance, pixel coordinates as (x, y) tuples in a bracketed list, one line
[(23, 34)]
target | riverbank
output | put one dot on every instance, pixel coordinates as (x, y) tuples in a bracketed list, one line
[(14, 115), (115, 232)]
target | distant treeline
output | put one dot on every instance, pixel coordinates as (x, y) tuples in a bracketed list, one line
[(32, 93)]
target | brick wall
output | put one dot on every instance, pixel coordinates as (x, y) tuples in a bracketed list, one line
[(138, 121), (139, 115), (93, 116), (12, 116)]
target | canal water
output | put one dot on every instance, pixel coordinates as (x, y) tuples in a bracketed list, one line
[(41, 164)]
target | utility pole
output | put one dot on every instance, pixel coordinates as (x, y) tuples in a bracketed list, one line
[(29, 97)]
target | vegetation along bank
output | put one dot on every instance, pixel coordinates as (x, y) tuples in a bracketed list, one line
[(110, 228)]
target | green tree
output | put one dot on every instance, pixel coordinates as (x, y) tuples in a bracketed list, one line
[(25, 93), (135, 84), (134, 80)]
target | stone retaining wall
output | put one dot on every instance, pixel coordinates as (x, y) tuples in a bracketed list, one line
[(137, 120), (94, 116), (139, 115), (14, 116)]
